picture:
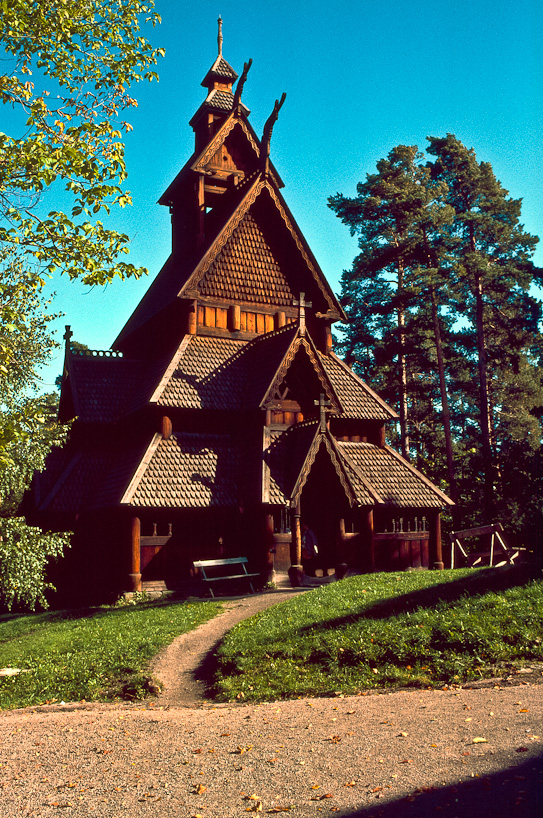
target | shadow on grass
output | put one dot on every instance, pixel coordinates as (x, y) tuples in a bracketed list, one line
[(516, 792), (482, 582), (94, 612)]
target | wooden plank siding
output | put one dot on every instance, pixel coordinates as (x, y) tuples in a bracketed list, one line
[(257, 322)]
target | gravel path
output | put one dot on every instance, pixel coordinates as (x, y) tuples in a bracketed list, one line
[(456, 753)]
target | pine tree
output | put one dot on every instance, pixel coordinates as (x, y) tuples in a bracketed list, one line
[(399, 215), (492, 271)]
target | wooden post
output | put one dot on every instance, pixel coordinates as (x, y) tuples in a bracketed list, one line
[(328, 340), (296, 570), (166, 427), (192, 321), (368, 536), (280, 319), (436, 552), (135, 563), (235, 318), (269, 566)]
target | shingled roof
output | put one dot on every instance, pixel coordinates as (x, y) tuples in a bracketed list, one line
[(289, 457), (188, 470), (102, 384), (398, 483), (357, 399)]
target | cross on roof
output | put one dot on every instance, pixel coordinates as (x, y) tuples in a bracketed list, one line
[(301, 303), (324, 406)]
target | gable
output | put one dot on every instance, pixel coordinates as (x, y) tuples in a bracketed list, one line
[(301, 378), (273, 246), (247, 269)]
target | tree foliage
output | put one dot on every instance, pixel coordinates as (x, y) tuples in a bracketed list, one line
[(71, 64), (68, 68), (444, 319), (27, 432)]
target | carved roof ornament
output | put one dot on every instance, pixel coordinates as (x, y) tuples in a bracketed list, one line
[(267, 132), (219, 35), (239, 86)]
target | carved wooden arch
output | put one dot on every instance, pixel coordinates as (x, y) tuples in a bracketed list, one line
[(323, 438), (281, 373)]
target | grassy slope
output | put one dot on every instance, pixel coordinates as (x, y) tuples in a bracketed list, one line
[(420, 629), (94, 655)]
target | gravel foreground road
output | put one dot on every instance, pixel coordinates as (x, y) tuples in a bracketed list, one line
[(453, 753)]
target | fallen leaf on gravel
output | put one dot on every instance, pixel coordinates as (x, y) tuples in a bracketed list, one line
[(315, 786), (200, 789), (479, 740), (402, 735), (322, 797), (406, 761), (255, 807), (350, 784), (240, 750), (524, 710), (522, 749), (280, 809)]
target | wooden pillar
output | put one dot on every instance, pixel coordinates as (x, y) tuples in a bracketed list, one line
[(436, 552), (269, 570), (381, 442), (135, 564), (280, 319), (296, 570), (367, 539), (340, 547)]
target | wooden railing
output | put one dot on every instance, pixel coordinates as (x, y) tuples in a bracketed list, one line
[(497, 546)]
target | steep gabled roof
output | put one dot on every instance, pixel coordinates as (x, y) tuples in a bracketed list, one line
[(208, 372), (289, 457), (399, 483), (261, 190), (357, 399), (188, 470), (302, 343), (235, 127)]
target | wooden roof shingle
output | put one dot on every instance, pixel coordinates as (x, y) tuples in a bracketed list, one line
[(398, 483)]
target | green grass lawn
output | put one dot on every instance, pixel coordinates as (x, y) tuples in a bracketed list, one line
[(417, 629), (95, 655)]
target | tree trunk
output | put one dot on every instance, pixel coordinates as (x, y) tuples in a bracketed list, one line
[(402, 370), (484, 414), (444, 396)]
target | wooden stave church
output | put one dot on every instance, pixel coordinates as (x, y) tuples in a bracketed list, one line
[(221, 418)]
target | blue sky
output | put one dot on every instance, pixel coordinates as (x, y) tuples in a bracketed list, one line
[(360, 77)]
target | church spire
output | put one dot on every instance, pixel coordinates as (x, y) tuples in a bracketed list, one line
[(219, 36)]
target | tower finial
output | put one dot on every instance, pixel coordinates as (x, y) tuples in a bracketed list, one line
[(219, 38)]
